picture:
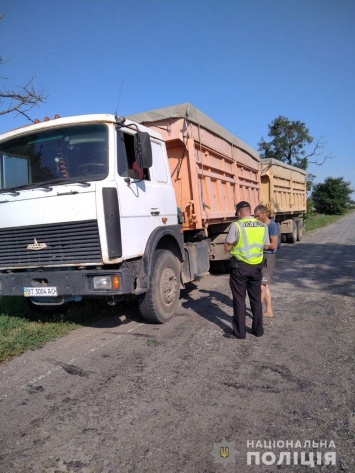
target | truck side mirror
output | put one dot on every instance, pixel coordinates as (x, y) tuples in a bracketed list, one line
[(143, 149)]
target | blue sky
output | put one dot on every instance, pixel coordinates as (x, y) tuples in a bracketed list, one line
[(242, 62)]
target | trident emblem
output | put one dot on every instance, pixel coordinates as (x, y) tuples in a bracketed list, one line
[(224, 452)]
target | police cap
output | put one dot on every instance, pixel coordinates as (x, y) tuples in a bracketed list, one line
[(241, 205)]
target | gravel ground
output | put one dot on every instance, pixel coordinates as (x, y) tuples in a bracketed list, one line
[(124, 396)]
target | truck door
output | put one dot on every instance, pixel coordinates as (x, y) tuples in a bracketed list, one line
[(139, 199)]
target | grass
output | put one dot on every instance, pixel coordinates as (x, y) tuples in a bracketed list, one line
[(319, 220), (22, 328), (152, 342)]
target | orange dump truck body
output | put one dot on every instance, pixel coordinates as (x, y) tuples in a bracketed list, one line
[(211, 169)]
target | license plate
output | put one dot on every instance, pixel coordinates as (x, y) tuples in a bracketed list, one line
[(40, 291)]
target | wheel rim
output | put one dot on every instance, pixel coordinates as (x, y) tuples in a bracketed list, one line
[(169, 285)]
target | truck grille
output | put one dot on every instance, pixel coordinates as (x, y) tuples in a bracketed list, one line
[(66, 243)]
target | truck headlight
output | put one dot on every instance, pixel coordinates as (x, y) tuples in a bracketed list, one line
[(106, 282), (102, 282)]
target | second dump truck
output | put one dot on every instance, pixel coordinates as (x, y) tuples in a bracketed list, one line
[(284, 193)]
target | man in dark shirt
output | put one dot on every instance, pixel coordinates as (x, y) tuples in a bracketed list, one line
[(260, 213)]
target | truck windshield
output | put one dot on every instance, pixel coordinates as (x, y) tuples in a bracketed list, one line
[(74, 153)]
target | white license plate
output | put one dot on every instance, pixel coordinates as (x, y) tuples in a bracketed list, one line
[(45, 291)]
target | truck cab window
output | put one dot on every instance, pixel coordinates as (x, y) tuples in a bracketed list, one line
[(13, 171), (127, 164)]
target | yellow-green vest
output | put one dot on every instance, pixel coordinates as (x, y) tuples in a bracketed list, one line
[(249, 247)]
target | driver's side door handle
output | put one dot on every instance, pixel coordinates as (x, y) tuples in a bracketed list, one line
[(154, 211)]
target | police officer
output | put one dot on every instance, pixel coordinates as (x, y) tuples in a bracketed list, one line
[(245, 240)]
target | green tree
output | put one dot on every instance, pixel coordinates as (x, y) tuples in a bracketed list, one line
[(19, 98), (332, 197), (288, 142), (292, 144)]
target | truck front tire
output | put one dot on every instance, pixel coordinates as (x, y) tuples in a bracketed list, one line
[(162, 298)]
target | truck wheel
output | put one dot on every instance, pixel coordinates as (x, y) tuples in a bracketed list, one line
[(292, 237), (162, 298), (279, 238), (299, 230)]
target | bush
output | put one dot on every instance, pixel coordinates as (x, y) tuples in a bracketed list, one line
[(332, 197)]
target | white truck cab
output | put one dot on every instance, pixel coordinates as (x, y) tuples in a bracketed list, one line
[(87, 209)]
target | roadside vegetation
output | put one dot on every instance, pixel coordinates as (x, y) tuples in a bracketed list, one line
[(22, 328), (315, 221)]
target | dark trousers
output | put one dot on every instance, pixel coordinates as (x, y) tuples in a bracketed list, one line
[(246, 278)]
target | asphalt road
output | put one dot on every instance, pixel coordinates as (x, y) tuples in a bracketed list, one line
[(130, 397)]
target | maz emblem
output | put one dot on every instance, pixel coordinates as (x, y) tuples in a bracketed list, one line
[(36, 246)]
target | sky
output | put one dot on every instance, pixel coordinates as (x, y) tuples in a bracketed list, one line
[(241, 62)]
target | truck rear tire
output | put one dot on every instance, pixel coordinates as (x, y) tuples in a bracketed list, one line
[(299, 225), (279, 237), (162, 298), (292, 237)]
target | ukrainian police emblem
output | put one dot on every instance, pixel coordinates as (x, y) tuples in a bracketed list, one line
[(224, 452)]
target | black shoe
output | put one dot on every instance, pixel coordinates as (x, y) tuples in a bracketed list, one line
[(231, 335), (257, 334)]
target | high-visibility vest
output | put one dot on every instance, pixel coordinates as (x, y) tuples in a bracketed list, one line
[(249, 247)]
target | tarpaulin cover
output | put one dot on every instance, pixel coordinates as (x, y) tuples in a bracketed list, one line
[(195, 116)]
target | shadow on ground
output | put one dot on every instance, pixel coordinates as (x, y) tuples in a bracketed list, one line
[(88, 313)]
